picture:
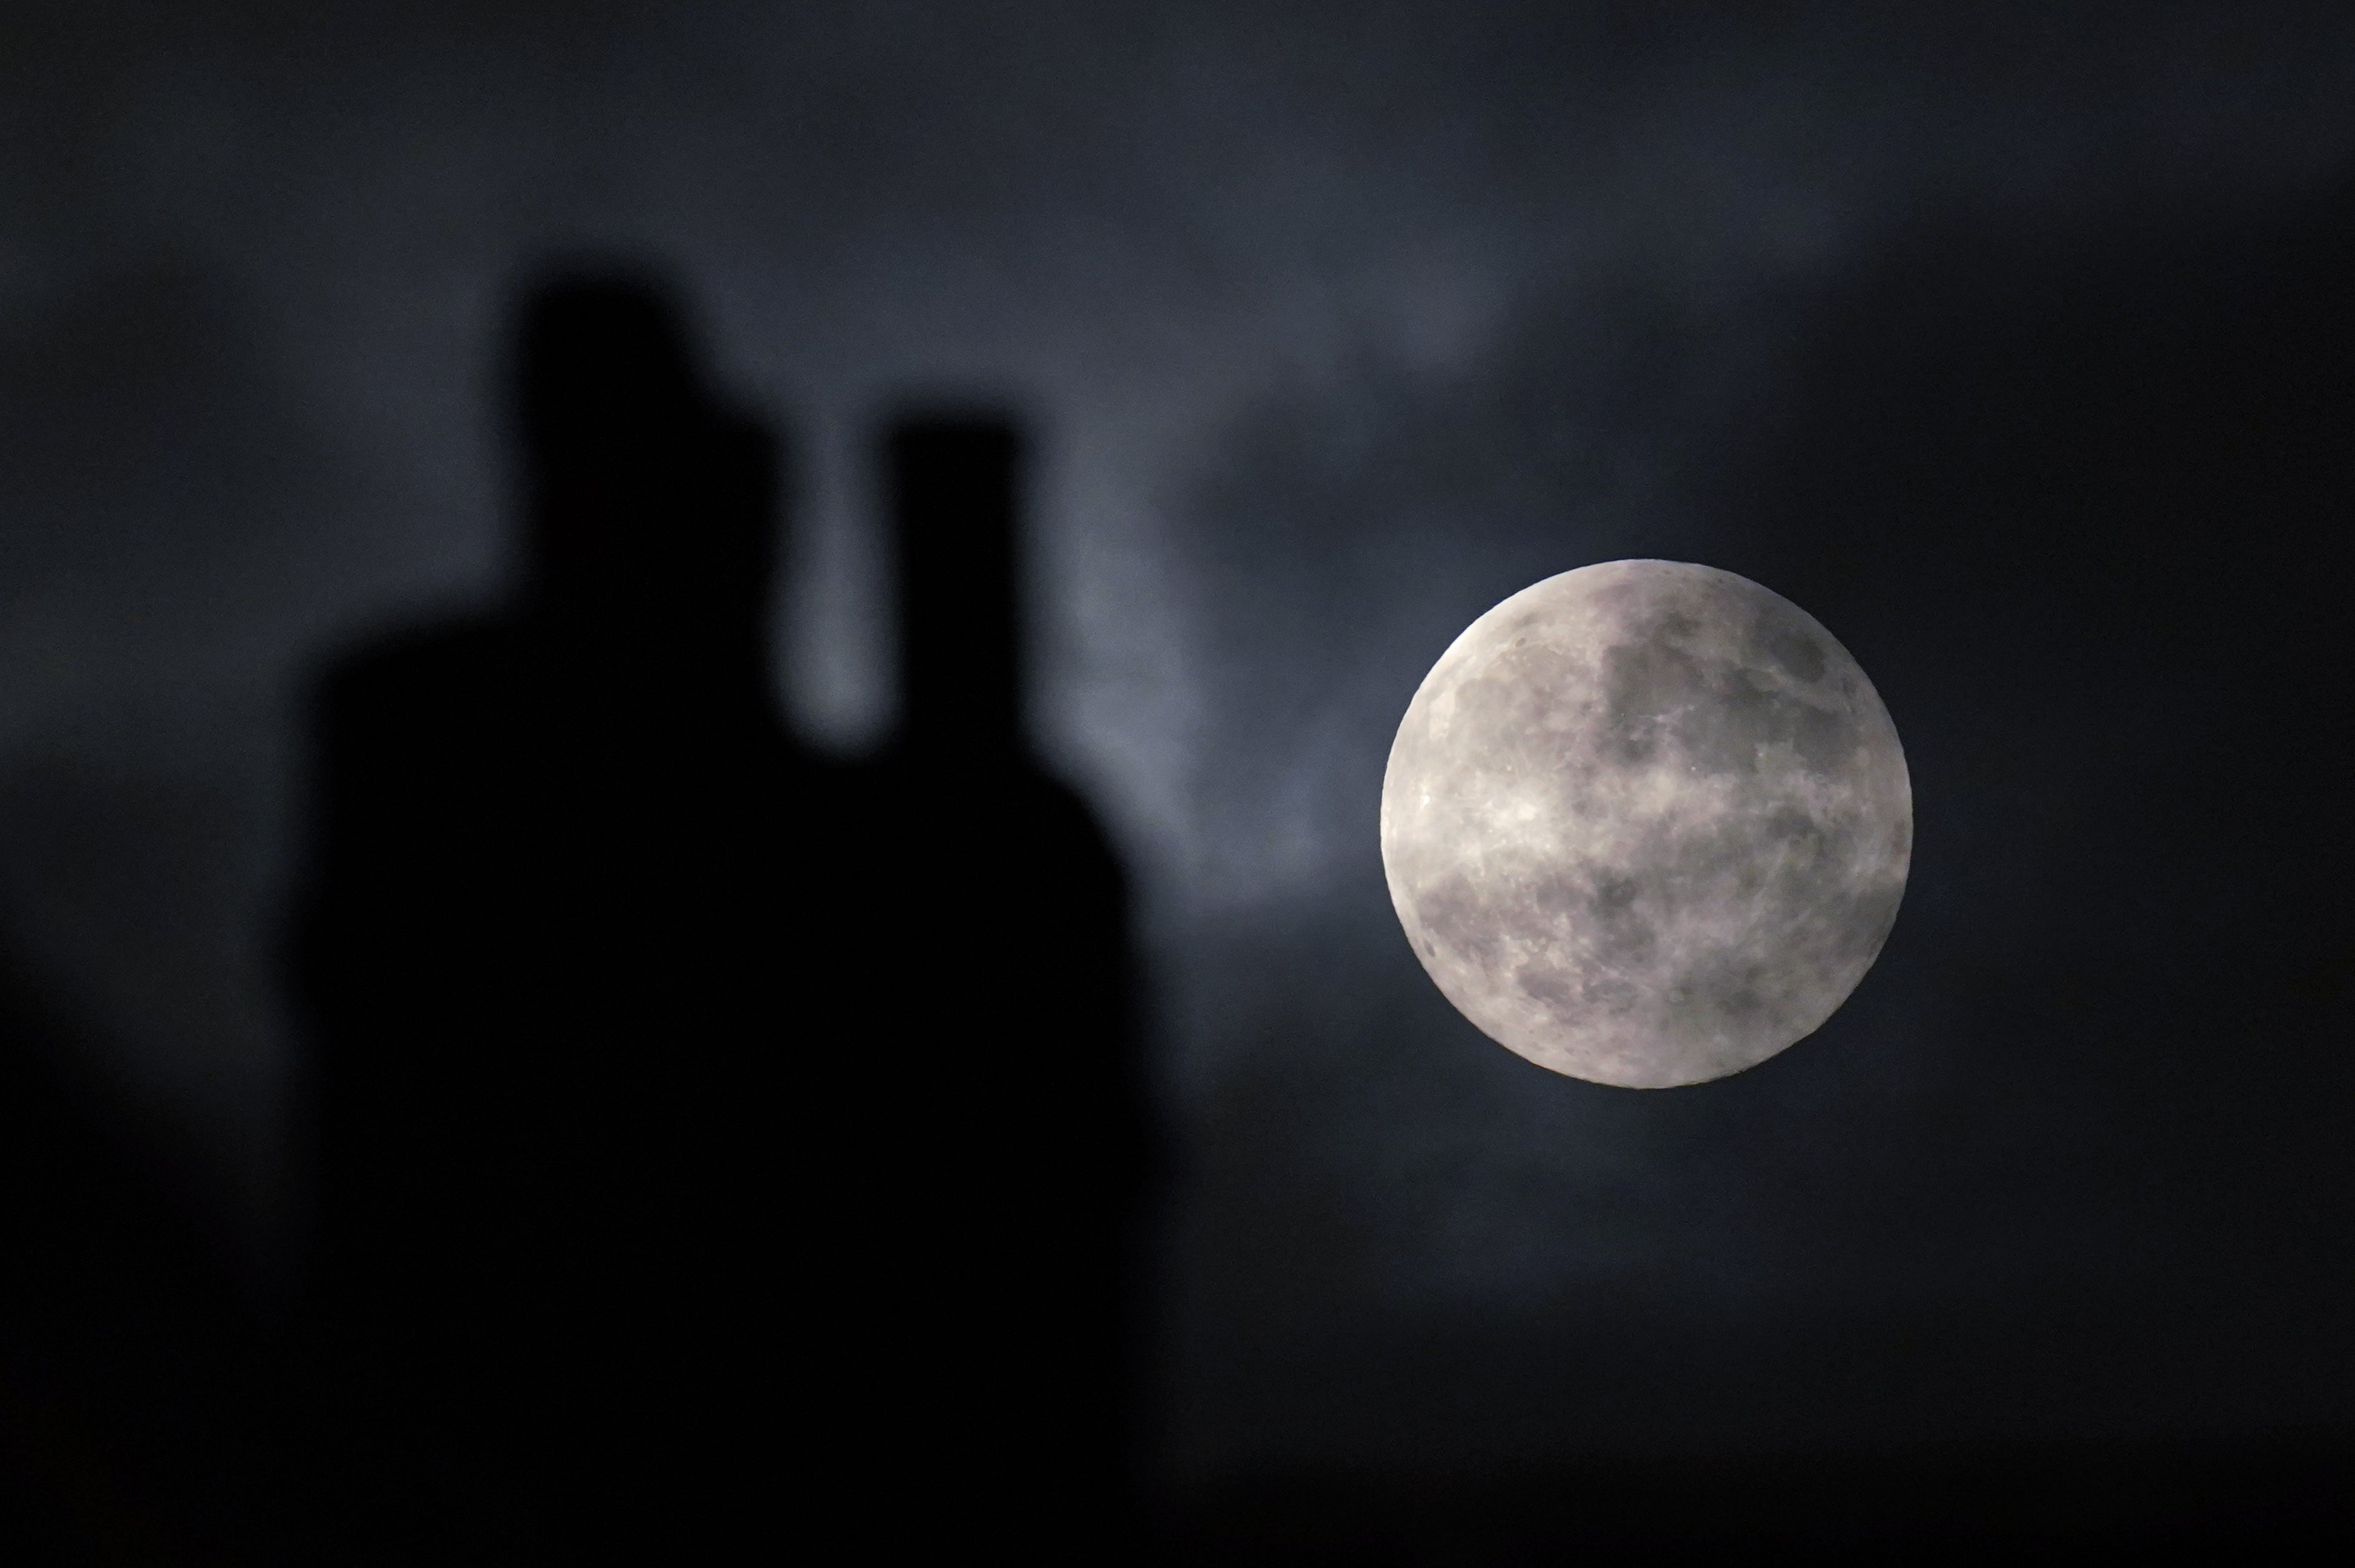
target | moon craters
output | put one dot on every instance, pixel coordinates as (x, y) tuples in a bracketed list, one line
[(1646, 823)]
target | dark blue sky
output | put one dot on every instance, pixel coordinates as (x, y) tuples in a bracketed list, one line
[(2011, 347)]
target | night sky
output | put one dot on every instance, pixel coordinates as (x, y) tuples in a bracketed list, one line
[(2015, 343)]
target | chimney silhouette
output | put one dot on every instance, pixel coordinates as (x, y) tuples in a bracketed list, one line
[(954, 481)]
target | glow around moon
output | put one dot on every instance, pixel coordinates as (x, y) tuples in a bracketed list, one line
[(1646, 823)]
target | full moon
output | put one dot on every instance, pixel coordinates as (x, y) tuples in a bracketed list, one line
[(1646, 824)]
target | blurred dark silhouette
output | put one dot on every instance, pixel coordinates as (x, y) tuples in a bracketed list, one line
[(1008, 1064), (549, 953), (128, 1356), (695, 1120)]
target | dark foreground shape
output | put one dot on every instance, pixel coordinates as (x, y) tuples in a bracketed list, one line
[(548, 958), (131, 1367), (2262, 1500), (996, 1288), (715, 1145)]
